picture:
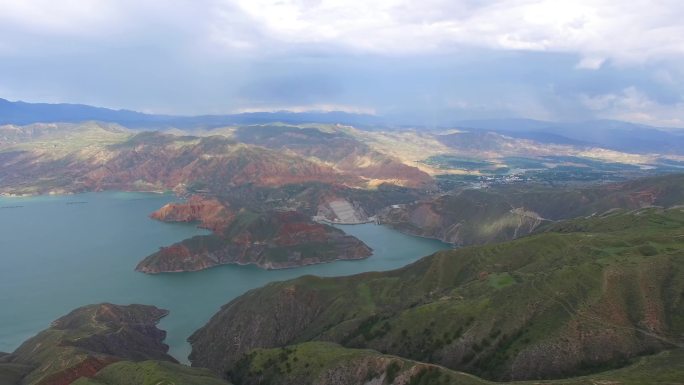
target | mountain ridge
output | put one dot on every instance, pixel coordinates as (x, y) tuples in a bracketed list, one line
[(582, 296), (611, 134), (22, 113)]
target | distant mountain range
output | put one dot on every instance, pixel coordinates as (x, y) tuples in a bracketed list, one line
[(22, 113), (610, 134)]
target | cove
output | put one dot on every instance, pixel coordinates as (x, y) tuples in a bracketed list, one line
[(61, 252)]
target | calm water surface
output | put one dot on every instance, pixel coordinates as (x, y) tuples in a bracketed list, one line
[(61, 252)]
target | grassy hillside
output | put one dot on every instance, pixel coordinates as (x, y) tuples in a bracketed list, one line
[(150, 373), (89, 340), (328, 363), (59, 139), (478, 216), (582, 297)]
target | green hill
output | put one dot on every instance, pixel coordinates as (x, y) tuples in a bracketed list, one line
[(150, 373), (479, 216), (328, 363), (581, 297), (104, 339)]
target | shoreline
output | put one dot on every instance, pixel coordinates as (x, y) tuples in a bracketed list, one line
[(69, 194), (257, 265), (389, 226), (180, 291), (332, 223)]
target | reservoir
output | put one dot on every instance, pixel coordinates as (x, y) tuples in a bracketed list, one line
[(61, 252)]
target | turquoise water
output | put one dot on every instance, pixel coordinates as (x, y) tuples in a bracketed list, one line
[(61, 252)]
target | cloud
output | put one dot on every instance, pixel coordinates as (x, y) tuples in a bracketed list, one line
[(68, 17), (628, 33), (309, 108), (633, 105), (590, 63), (427, 59), (624, 32)]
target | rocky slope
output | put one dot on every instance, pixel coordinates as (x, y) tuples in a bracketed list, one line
[(271, 240), (154, 161), (471, 217), (583, 296), (487, 143), (65, 158), (210, 213), (338, 149), (87, 341)]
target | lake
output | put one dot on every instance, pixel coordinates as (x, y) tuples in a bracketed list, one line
[(61, 252)]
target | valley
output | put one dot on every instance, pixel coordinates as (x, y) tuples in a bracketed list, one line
[(317, 173), (522, 260), (341, 192), (87, 254), (540, 307)]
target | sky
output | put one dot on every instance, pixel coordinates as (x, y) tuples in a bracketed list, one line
[(427, 61)]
